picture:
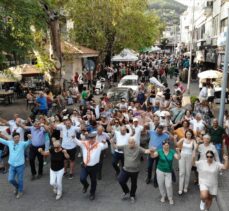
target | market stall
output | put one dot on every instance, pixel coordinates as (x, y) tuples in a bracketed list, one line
[(126, 55), (213, 77), (32, 76)]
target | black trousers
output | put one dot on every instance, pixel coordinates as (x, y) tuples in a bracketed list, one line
[(150, 167), (92, 172), (116, 158), (33, 153), (101, 163), (123, 179)]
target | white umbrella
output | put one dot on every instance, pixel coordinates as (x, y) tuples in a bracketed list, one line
[(210, 74), (154, 81)]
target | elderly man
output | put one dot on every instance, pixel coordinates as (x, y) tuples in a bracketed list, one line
[(100, 137), (132, 153), (197, 124), (16, 161), (121, 138), (38, 132), (91, 149), (217, 132)]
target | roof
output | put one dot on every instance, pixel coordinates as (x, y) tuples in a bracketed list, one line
[(26, 69), (81, 51)]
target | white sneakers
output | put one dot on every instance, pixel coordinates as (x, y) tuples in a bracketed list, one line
[(171, 202), (58, 196), (202, 205), (162, 199), (54, 190)]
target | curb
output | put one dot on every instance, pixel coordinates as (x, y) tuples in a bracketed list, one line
[(221, 202)]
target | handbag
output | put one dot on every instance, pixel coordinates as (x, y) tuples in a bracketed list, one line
[(174, 179)]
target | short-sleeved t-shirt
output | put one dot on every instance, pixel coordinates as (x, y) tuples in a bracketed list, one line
[(164, 165), (216, 135), (84, 95), (156, 139), (57, 160), (131, 158)]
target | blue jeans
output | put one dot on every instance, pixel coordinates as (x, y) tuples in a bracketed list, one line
[(92, 172), (219, 150), (18, 172), (1, 153)]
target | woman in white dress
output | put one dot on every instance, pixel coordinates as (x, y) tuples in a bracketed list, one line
[(208, 178)]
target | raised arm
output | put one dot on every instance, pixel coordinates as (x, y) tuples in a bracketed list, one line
[(3, 141), (177, 154)]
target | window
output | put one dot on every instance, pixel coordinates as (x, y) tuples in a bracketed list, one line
[(223, 24)]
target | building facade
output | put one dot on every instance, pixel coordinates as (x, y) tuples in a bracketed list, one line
[(207, 30)]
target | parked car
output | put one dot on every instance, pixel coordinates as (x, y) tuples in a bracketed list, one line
[(129, 81), (117, 93)]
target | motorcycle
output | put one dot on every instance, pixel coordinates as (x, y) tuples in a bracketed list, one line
[(100, 86)]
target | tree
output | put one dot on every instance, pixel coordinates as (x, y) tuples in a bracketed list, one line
[(110, 25), (16, 18)]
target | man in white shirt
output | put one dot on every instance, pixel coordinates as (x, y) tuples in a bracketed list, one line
[(91, 155), (68, 132), (121, 138), (197, 124), (137, 129)]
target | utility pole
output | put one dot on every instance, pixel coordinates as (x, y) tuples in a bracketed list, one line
[(191, 48), (224, 81)]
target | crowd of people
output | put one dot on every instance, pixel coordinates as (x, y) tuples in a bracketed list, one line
[(156, 125)]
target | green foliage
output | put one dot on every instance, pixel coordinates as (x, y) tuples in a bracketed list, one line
[(16, 19), (193, 99), (113, 24)]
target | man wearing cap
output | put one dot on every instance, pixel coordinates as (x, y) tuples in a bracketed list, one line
[(68, 132), (156, 138), (91, 149)]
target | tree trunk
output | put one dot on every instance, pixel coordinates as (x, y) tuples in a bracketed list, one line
[(109, 48), (54, 27)]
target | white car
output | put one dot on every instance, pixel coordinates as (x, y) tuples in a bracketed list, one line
[(129, 81)]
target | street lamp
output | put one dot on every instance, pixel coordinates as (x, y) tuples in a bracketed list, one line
[(224, 81), (191, 48)]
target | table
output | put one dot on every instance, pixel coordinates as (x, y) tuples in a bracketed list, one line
[(8, 95)]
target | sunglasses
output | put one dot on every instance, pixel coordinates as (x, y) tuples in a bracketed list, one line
[(209, 156)]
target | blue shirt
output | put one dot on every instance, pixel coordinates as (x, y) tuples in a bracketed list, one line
[(17, 151), (156, 139), (38, 136), (42, 103)]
